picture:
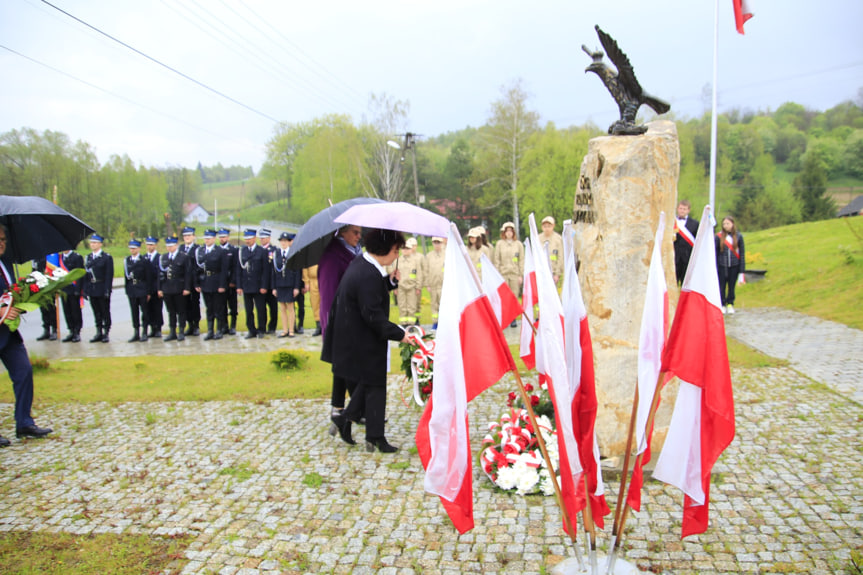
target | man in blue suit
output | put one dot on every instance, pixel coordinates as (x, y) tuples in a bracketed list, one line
[(13, 354)]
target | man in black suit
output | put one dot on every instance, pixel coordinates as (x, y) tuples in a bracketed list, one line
[(154, 304), (193, 300), (139, 283), (358, 332), (272, 302), (98, 284), (253, 279), (685, 230), (230, 304), (72, 302), (212, 264), (13, 354), (175, 284)]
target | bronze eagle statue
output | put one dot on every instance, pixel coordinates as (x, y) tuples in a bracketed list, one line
[(623, 86)]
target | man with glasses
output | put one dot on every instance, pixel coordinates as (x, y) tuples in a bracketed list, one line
[(14, 356)]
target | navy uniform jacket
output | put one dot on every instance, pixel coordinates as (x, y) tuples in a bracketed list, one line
[(100, 275), (212, 269), (154, 263), (190, 251), (139, 276), (253, 269), (282, 277), (231, 254), (175, 276), (358, 328), (74, 261)]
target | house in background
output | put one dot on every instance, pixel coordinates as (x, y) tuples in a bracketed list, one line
[(855, 208), (195, 213)]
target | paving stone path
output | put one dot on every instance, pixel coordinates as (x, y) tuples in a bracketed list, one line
[(262, 488)]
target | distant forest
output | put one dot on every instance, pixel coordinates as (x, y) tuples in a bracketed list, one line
[(219, 173)]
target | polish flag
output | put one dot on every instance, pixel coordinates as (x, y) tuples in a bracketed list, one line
[(471, 354), (503, 301), (528, 300), (578, 352), (742, 13), (651, 342), (702, 424)]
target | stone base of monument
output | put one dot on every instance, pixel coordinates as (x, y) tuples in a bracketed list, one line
[(570, 566)]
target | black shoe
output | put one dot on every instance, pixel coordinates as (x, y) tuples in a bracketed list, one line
[(317, 331), (189, 329), (32, 431), (382, 445), (68, 338), (76, 337), (196, 331), (210, 335), (181, 336), (271, 332), (513, 324), (232, 331), (144, 336), (251, 335), (135, 338), (45, 335), (170, 337), (4, 442), (260, 335), (96, 338), (344, 426), (105, 337), (284, 335), (53, 336), (218, 335)]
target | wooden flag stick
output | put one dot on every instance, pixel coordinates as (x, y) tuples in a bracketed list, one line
[(589, 525), (621, 497)]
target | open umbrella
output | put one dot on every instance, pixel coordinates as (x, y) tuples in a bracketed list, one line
[(317, 233), (399, 216), (37, 227)]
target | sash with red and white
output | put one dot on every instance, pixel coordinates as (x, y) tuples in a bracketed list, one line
[(729, 243), (684, 232)]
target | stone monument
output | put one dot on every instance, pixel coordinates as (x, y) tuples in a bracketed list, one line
[(624, 185)]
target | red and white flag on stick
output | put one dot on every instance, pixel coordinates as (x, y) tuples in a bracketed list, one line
[(651, 342), (742, 14), (503, 301), (471, 354), (578, 352), (702, 424), (529, 299)]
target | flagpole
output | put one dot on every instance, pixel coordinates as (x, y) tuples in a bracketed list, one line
[(621, 497), (589, 525), (713, 119)]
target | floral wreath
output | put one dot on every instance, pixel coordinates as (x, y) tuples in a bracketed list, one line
[(418, 362)]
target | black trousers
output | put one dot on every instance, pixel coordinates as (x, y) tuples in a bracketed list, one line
[(101, 307), (154, 310), (230, 303), (340, 385), (727, 283), (215, 303), (72, 313), (49, 317), (272, 311), (193, 308), (255, 302), (175, 303), (140, 311), (371, 401), (301, 308)]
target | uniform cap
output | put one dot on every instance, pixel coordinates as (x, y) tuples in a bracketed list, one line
[(188, 230), (152, 240), (224, 232), (134, 243), (411, 243), (96, 238), (265, 233), (287, 236), (548, 219), (209, 233), (249, 233), (475, 232), (507, 225), (171, 241), (437, 239)]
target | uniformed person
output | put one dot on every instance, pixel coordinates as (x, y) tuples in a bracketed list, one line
[(509, 259), (212, 265), (434, 275), (310, 280), (410, 264), (97, 287), (72, 302), (49, 312), (139, 282), (230, 303), (477, 245), (175, 284), (253, 279), (193, 300), (552, 244), (272, 317), (154, 304), (285, 283)]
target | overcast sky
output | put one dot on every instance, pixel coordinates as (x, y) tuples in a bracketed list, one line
[(294, 61)]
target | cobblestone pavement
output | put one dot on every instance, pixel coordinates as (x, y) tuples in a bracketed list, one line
[(262, 488)]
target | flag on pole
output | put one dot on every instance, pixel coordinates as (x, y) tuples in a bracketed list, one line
[(53, 262), (503, 301), (471, 354), (742, 14), (702, 424), (651, 342), (578, 353), (528, 300)]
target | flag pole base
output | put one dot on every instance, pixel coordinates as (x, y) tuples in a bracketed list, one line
[(570, 567)]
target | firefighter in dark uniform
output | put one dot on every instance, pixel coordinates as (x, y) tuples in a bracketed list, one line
[(49, 312), (253, 281), (272, 302), (175, 284), (193, 300), (72, 302), (97, 287), (211, 262), (140, 281), (285, 283), (230, 303), (154, 304)]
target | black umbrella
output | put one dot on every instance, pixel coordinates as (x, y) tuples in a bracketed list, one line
[(38, 227), (316, 234)]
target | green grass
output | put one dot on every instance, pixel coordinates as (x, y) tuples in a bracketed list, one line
[(815, 268)]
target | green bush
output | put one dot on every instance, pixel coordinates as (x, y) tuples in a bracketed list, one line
[(289, 359), (39, 363)]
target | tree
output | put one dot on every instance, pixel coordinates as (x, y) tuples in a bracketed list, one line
[(810, 187), (382, 171)]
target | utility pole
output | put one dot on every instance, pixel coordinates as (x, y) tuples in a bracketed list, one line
[(410, 144)]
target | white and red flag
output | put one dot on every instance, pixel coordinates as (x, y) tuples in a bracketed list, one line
[(527, 343), (702, 424), (503, 301), (578, 352), (651, 342), (471, 354), (742, 13)]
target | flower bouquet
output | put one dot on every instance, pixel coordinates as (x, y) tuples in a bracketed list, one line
[(540, 400), (418, 362), (512, 458), (35, 291)]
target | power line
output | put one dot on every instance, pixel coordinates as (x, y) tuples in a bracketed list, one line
[(154, 60)]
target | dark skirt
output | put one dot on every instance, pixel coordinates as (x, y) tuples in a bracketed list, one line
[(285, 295)]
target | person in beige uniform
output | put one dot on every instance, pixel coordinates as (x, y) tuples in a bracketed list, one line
[(509, 259), (478, 245), (410, 265), (433, 274), (552, 243), (310, 280)]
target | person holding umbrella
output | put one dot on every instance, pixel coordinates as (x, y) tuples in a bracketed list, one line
[(357, 336), (98, 284), (15, 359)]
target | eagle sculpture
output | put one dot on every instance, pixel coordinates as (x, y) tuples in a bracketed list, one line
[(623, 86)]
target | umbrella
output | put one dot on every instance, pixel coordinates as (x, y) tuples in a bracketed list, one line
[(399, 216), (317, 233), (37, 227)]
